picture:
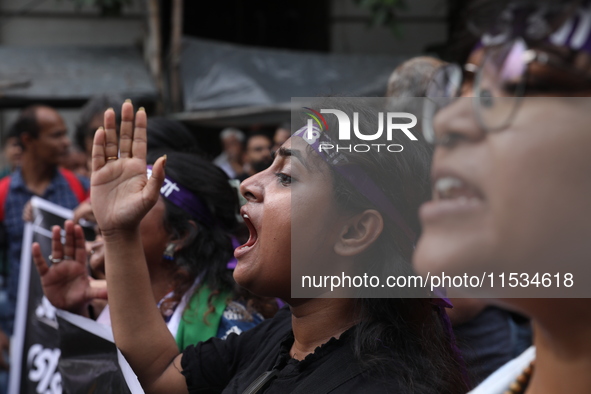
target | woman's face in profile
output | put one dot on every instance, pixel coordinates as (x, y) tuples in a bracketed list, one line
[(290, 212), (514, 200)]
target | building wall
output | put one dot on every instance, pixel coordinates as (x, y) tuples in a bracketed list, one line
[(59, 22), (422, 24)]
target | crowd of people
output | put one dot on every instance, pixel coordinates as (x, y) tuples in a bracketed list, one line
[(199, 282)]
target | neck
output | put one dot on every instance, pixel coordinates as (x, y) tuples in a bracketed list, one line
[(162, 282), (563, 349), (36, 174), (316, 321)]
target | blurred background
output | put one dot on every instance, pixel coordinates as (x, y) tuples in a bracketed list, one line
[(212, 65)]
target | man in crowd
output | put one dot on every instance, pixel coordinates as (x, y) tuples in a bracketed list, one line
[(43, 136), (282, 134), (257, 156), (230, 160)]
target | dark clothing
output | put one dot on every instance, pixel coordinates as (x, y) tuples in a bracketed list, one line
[(231, 365), (58, 192), (491, 339)]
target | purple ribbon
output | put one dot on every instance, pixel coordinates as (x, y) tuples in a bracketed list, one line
[(184, 199)]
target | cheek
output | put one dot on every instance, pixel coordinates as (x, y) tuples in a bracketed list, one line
[(153, 233), (544, 196)]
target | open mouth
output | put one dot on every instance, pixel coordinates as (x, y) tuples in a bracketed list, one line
[(452, 198), (252, 239), (452, 188)]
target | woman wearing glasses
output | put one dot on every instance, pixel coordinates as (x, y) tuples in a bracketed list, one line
[(512, 184)]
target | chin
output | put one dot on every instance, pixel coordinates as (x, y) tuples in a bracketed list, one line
[(454, 255)]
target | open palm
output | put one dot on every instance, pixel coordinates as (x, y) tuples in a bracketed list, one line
[(66, 284), (120, 190)]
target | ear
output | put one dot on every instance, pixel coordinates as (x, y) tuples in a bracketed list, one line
[(359, 233), (186, 238), (25, 139)]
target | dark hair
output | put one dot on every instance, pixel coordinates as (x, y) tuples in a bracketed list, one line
[(402, 337), (169, 134), (207, 247), (26, 123), (96, 105)]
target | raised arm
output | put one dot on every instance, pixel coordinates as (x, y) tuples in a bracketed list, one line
[(121, 195)]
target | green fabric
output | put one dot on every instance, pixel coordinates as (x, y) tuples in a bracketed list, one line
[(192, 327)]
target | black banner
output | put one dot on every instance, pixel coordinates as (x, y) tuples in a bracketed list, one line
[(79, 356)]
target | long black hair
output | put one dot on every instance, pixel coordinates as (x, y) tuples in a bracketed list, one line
[(403, 337), (207, 245)]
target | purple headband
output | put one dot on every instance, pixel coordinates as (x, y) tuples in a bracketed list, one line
[(354, 175), (184, 199), (574, 33), (191, 204)]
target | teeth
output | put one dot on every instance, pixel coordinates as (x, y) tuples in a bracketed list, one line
[(245, 216), (445, 185)]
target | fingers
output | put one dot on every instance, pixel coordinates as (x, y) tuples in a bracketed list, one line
[(56, 243), (132, 141), (70, 246), (140, 139), (111, 145), (39, 261), (152, 189), (98, 150), (80, 252), (126, 130), (97, 289), (28, 212)]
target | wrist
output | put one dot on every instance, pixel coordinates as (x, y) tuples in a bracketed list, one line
[(114, 236)]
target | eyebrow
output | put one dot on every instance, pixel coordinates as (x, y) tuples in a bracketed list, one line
[(284, 152)]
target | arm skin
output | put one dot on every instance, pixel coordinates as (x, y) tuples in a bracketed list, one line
[(123, 195)]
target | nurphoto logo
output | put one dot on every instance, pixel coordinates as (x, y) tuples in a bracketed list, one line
[(317, 124)]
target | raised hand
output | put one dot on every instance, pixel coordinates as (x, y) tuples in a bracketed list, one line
[(66, 283), (120, 190)]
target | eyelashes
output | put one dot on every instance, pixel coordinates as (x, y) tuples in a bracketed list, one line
[(283, 179)]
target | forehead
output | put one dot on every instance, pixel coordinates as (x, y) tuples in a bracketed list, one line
[(305, 155), (47, 118)]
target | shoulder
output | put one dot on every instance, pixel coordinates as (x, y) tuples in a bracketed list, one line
[(270, 331)]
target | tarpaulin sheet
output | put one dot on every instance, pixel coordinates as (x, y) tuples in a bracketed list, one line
[(219, 75)]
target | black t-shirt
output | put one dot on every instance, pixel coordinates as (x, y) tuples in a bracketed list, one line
[(232, 365)]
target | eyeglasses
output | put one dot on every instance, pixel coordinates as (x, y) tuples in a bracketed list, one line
[(499, 85)]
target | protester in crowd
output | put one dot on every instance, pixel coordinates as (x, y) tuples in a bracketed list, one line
[(511, 178), (230, 160), (43, 136), (282, 134), (77, 162), (12, 154), (376, 345), (488, 336), (163, 133), (188, 238), (257, 154), (91, 118)]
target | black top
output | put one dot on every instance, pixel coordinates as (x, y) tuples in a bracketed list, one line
[(232, 365)]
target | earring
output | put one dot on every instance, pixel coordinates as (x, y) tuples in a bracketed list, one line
[(169, 251)]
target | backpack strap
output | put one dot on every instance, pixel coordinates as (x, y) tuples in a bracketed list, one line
[(4, 188), (75, 185)]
